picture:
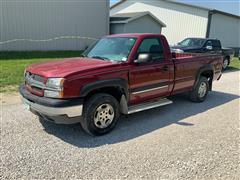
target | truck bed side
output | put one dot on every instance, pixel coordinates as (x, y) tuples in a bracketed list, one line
[(189, 66)]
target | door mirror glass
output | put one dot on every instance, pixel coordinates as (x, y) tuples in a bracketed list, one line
[(209, 47), (143, 58)]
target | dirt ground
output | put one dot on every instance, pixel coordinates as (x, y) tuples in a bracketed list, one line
[(184, 140)]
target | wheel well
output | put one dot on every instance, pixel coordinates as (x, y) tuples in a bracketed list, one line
[(228, 58), (209, 75), (116, 92)]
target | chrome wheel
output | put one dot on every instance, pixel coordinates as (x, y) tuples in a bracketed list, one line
[(202, 90), (103, 116), (225, 63)]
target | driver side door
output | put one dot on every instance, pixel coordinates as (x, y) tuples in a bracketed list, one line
[(151, 79)]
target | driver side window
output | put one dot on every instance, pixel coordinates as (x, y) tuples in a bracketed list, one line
[(209, 43), (152, 46)]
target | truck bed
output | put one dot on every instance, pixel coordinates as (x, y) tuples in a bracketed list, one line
[(187, 66)]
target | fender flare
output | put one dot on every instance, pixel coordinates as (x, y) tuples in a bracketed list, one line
[(200, 71), (119, 83)]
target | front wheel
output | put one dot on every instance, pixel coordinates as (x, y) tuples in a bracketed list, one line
[(201, 90), (101, 113)]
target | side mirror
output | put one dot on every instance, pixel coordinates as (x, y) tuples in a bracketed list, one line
[(209, 47), (143, 58)]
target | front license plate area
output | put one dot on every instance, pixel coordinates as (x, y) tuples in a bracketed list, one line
[(26, 105)]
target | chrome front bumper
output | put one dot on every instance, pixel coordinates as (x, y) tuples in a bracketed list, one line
[(71, 111)]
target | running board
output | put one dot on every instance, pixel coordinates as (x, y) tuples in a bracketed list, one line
[(148, 105)]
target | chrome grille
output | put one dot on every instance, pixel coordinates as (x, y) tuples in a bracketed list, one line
[(34, 80)]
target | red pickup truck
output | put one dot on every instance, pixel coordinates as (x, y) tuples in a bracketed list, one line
[(119, 74)]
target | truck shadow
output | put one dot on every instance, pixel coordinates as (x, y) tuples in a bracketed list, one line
[(135, 125)]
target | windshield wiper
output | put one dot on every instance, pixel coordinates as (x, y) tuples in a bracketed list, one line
[(100, 57), (83, 55)]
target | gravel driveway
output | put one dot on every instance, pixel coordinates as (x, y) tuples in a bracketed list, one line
[(183, 140)]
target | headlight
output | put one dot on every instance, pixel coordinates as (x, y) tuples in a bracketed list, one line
[(54, 88), (55, 83)]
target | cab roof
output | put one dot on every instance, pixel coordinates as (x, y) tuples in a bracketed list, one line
[(134, 35)]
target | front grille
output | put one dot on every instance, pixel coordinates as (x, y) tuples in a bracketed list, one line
[(35, 83), (39, 78), (35, 77)]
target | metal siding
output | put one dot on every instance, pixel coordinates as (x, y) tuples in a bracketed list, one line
[(116, 28), (49, 19), (226, 29), (144, 24), (182, 21)]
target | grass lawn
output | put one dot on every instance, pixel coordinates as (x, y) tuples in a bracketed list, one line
[(12, 65), (234, 65)]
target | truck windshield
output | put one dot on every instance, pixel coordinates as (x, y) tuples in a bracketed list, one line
[(114, 49), (192, 42)]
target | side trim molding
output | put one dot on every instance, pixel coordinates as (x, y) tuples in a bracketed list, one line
[(148, 90)]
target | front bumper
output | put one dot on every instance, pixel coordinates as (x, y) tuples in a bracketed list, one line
[(52, 108)]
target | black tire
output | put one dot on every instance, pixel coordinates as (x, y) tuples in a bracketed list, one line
[(195, 96), (91, 108), (226, 62)]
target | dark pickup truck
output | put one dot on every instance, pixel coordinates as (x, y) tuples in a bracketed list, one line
[(120, 74), (202, 45)]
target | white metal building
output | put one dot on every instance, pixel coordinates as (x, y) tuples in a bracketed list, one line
[(46, 19), (225, 27), (140, 22), (184, 20)]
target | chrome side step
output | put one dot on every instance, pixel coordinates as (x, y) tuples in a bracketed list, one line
[(149, 105)]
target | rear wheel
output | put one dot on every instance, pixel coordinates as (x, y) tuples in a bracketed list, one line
[(225, 63), (201, 90), (101, 113)]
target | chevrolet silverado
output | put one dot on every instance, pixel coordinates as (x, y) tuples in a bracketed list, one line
[(119, 74)]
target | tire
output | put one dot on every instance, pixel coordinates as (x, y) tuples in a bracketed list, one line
[(101, 112), (225, 63), (201, 90)]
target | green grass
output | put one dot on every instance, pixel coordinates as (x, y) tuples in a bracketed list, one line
[(234, 65), (5, 55), (12, 65)]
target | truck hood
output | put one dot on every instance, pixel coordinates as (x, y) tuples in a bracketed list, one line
[(64, 67)]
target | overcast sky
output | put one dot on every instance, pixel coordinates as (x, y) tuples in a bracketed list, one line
[(230, 6)]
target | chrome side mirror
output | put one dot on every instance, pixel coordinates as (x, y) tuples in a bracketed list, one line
[(209, 47), (143, 58)]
